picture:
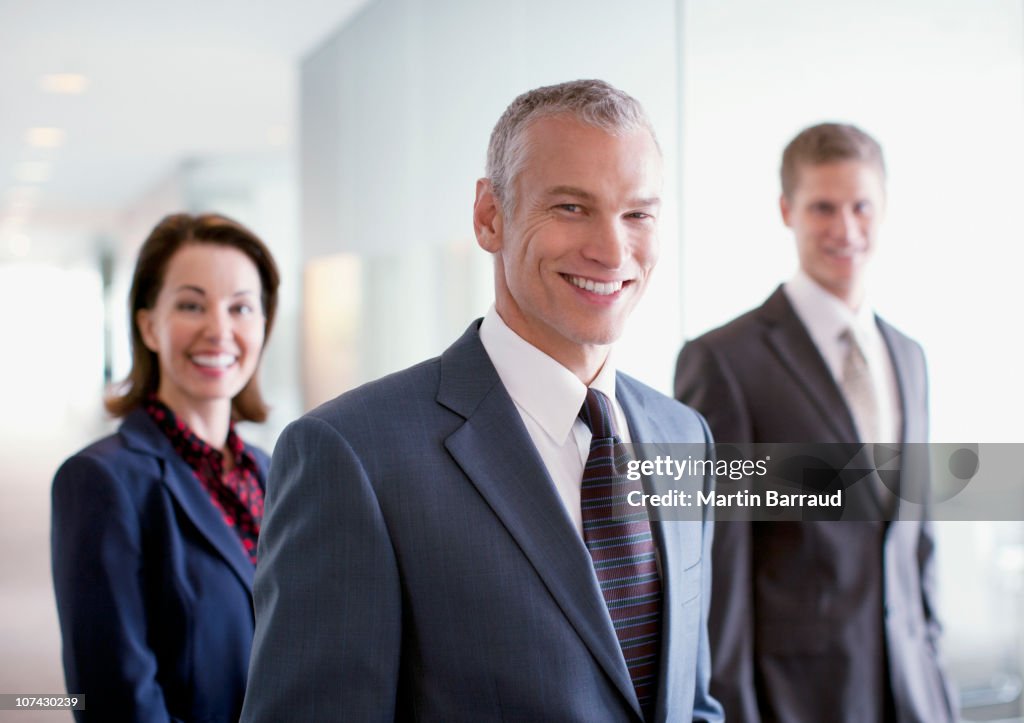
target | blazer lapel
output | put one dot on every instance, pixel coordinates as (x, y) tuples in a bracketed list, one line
[(902, 367), (912, 477), (786, 335), (679, 547), (143, 436), (495, 452)]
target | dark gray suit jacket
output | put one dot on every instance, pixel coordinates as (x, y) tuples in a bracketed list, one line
[(417, 563), (813, 621)]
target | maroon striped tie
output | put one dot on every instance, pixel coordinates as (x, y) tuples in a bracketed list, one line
[(620, 543)]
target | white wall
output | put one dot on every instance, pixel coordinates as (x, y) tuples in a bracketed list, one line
[(941, 85)]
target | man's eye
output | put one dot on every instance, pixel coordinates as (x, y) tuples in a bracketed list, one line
[(862, 207), (639, 215), (570, 207)]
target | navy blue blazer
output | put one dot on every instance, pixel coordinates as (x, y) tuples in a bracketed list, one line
[(154, 591), (417, 563)]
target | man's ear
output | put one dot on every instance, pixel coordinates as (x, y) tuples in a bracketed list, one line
[(785, 208), (488, 222), (144, 319)]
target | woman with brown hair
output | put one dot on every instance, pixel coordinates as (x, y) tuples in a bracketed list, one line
[(155, 527)]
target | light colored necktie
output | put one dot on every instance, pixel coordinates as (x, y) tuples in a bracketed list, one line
[(859, 389)]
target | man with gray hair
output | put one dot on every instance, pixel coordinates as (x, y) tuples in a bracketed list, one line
[(444, 544), (822, 620)]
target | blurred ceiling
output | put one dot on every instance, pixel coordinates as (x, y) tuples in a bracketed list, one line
[(151, 84)]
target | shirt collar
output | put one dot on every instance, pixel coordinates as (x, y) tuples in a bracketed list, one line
[(541, 387), (193, 449), (824, 315)]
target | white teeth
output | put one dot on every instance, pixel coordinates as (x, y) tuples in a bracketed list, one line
[(601, 288), (217, 361)]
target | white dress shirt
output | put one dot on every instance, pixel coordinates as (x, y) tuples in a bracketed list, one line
[(826, 318), (549, 397)]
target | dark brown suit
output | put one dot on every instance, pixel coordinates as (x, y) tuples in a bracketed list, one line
[(813, 621)]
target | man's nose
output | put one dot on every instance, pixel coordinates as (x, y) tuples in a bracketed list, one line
[(608, 244), (849, 225)]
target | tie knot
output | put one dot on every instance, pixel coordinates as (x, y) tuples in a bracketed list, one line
[(596, 413), (851, 336)]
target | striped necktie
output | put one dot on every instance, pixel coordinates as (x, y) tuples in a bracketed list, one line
[(620, 543)]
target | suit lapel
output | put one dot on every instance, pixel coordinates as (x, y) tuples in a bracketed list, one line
[(495, 452), (679, 547), (901, 366), (913, 413), (143, 436), (787, 337)]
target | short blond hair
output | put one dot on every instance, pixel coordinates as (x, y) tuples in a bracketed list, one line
[(827, 143)]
